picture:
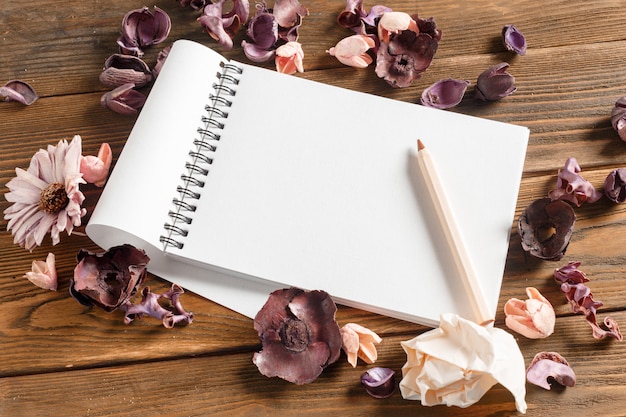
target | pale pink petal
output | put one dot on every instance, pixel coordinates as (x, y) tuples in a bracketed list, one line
[(395, 22), (289, 58), (95, 169), (44, 274), (352, 51), (359, 342), (533, 318)]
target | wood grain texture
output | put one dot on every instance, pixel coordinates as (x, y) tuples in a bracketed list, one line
[(60, 358)]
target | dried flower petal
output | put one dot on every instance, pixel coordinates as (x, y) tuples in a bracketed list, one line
[(123, 100), (394, 23), (618, 117), (107, 280), (95, 169), (44, 273), (444, 94), (289, 58), (160, 60), (513, 39), (352, 51), (546, 227), (615, 185), (120, 69), (495, 83), (142, 28), (356, 18), (194, 4), (359, 342), (223, 26), (299, 334), (533, 318), (581, 299), (289, 13), (150, 306), (572, 187), (379, 382), (550, 366), (20, 91)]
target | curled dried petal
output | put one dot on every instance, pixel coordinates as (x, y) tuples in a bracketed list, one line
[(572, 187), (618, 117), (123, 100), (379, 382), (359, 342), (352, 51), (95, 169), (615, 185), (550, 366), (394, 23), (513, 40), (495, 83), (120, 69), (546, 227), (20, 91), (44, 273), (444, 94), (289, 58), (533, 318), (150, 306), (160, 60), (223, 26), (288, 13), (142, 28)]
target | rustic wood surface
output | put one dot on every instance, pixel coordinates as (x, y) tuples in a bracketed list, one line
[(62, 359)]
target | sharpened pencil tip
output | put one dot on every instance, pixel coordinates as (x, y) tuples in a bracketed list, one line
[(420, 145)]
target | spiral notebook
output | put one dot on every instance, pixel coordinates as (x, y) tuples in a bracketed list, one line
[(238, 180)]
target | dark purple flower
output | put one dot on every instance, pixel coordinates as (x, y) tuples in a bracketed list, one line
[(495, 83), (408, 53), (545, 228), (299, 334), (123, 100), (120, 69), (581, 299), (615, 185), (513, 40), (618, 117), (444, 94), (142, 28), (107, 280), (194, 4), (20, 91), (150, 306), (356, 18), (223, 26), (572, 187), (548, 367), (379, 382)]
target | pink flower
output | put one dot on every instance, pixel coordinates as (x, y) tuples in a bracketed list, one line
[(95, 169), (123, 99), (549, 367), (352, 51), (572, 187), (359, 342), (46, 197), (533, 318), (20, 91), (44, 273), (289, 58)]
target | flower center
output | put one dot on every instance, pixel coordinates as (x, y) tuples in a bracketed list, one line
[(294, 334), (53, 198)]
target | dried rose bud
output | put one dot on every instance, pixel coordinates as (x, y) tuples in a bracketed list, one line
[(495, 83), (444, 94), (572, 187), (379, 382), (533, 318), (120, 69), (123, 100), (299, 334), (545, 228), (44, 273), (359, 342), (20, 91), (618, 117), (352, 51), (615, 185), (513, 40), (547, 367), (95, 169), (289, 58), (107, 280), (223, 26), (142, 28)]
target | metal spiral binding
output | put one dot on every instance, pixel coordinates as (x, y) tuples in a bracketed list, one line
[(201, 157)]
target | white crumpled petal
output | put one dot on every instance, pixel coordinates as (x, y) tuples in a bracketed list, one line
[(457, 363)]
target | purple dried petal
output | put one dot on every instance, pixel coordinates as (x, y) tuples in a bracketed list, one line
[(160, 60), (142, 28), (615, 185), (263, 30), (545, 228), (550, 366), (572, 187), (194, 4), (299, 334), (120, 69), (289, 13), (444, 94), (224, 26), (20, 91), (108, 279), (123, 100), (495, 83), (618, 117), (150, 306), (513, 40), (379, 382)]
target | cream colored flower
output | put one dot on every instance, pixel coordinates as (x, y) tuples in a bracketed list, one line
[(46, 198), (533, 318), (395, 22), (359, 342), (352, 51), (44, 273)]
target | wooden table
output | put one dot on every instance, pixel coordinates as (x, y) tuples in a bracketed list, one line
[(62, 359)]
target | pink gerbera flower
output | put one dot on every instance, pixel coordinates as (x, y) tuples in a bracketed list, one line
[(45, 197)]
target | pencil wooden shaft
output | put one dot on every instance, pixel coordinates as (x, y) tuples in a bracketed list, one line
[(453, 237)]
